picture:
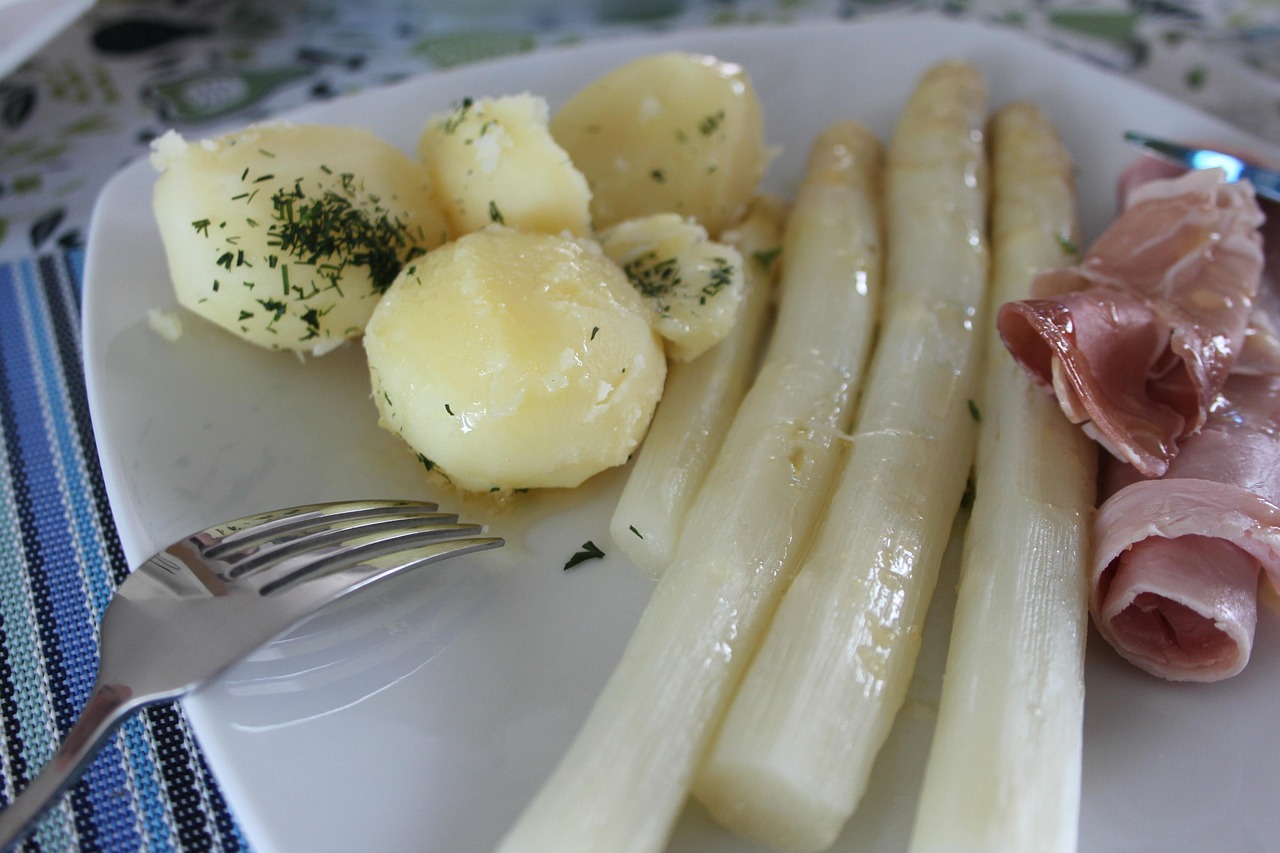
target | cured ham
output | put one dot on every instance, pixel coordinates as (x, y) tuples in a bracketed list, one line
[(1137, 339), (1178, 559)]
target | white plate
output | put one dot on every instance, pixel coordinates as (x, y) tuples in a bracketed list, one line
[(422, 718), (27, 25)]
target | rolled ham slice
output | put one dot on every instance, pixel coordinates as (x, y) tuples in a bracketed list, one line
[(1177, 559), (1137, 340)]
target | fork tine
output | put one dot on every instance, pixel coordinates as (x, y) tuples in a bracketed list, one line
[(301, 559), (243, 533), (326, 532), (325, 583)]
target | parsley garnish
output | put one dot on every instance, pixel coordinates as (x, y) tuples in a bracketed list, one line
[(653, 276), (973, 411), (495, 215), (590, 551), (458, 116), (332, 228), (766, 257), (720, 277), (711, 123)]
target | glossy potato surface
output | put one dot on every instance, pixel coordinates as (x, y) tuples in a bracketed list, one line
[(669, 133), (492, 160), (514, 360)]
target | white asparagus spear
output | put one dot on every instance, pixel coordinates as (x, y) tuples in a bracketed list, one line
[(698, 404), (1004, 769), (797, 744), (623, 781)]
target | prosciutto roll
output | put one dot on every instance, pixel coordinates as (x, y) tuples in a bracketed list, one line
[(1137, 340), (1177, 559)]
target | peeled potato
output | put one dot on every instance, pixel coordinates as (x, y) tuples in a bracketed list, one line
[(492, 160), (513, 360), (694, 286), (287, 235), (673, 132)]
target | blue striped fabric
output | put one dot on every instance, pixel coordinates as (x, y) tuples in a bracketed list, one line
[(60, 560)]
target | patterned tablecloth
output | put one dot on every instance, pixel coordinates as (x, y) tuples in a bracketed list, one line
[(92, 100)]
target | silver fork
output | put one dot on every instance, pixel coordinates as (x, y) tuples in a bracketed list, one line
[(205, 602), (1266, 182)]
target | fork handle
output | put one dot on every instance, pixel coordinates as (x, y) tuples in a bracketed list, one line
[(109, 705)]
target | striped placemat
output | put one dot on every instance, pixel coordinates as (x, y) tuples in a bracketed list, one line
[(60, 561)]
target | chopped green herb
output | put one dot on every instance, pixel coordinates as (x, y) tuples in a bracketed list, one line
[(632, 528), (720, 277), (594, 331), (1068, 245), (970, 493), (274, 307), (311, 317), (201, 226), (711, 123), (658, 176), (654, 276), (448, 409), (589, 552), (974, 412), (766, 257), (332, 231), (458, 116), (431, 466), (495, 215)]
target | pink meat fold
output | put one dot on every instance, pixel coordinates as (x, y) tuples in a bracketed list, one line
[(1177, 559), (1137, 340)]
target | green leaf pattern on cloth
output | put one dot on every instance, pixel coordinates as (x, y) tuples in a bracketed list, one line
[(95, 97)]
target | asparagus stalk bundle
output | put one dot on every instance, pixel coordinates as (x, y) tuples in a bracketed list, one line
[(623, 781), (698, 404), (1004, 769), (797, 744)]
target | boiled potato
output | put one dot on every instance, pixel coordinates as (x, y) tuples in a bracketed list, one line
[(492, 160), (513, 360), (287, 235), (694, 286), (673, 132)]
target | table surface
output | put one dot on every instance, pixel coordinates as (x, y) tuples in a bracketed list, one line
[(94, 97)]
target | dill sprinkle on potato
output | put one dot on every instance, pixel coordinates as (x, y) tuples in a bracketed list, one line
[(653, 275), (331, 231)]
